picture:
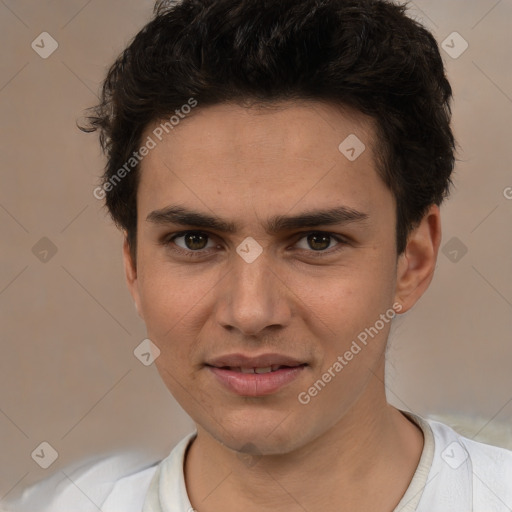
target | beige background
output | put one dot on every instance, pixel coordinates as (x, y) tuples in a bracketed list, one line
[(68, 375)]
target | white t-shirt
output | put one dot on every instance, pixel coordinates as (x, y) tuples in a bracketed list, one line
[(455, 474)]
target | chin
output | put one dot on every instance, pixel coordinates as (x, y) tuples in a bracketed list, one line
[(257, 432)]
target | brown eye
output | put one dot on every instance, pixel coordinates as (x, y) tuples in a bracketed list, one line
[(195, 241), (319, 241)]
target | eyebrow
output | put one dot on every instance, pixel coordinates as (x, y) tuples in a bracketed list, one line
[(182, 216)]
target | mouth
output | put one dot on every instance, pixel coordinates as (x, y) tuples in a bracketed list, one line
[(267, 362), (258, 370), (253, 377)]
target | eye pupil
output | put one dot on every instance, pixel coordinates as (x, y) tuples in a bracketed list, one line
[(195, 241), (318, 241)]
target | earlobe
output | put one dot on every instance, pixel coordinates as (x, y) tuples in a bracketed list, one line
[(417, 263), (130, 269)]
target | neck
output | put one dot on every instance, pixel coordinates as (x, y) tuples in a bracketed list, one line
[(365, 462)]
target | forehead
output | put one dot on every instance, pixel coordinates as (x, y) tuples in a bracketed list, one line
[(278, 154)]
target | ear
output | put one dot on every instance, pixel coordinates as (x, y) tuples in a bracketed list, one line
[(417, 263), (130, 269)]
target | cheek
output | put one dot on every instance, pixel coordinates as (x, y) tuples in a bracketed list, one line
[(351, 297), (176, 304), (169, 295), (346, 319)]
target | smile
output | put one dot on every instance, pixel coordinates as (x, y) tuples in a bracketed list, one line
[(266, 369), (256, 381)]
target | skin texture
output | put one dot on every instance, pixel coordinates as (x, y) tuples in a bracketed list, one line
[(246, 165)]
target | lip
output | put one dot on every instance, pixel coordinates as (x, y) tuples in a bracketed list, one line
[(259, 361), (256, 384)]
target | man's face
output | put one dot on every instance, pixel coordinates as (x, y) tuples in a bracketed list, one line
[(315, 286)]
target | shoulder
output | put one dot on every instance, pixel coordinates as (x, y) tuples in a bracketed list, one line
[(131, 493), (489, 467), (111, 484), (86, 486), (482, 454)]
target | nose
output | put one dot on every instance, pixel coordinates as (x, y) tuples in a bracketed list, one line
[(253, 298)]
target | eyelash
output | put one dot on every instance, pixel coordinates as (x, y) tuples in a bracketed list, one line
[(201, 253)]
